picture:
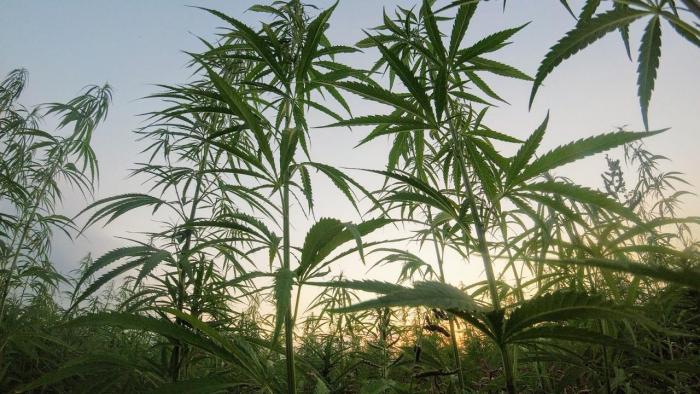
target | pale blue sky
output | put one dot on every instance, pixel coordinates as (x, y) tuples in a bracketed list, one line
[(133, 44)]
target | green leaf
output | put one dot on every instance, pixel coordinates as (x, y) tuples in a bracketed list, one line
[(382, 119), (432, 30), (104, 279), (686, 30), (574, 334), (372, 286), (487, 44), (566, 5), (685, 277), (149, 324), (315, 31), (588, 10), (527, 150), (409, 80), (460, 26), (317, 238), (492, 66), (141, 254), (649, 54), (326, 235), (240, 104), (563, 306), (91, 365), (584, 195), (116, 206), (426, 294), (579, 38), (579, 149), (284, 280), (306, 186), (256, 42), (440, 88), (380, 95)]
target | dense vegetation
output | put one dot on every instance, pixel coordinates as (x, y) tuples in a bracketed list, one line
[(585, 289)]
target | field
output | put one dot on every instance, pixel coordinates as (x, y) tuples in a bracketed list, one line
[(474, 261)]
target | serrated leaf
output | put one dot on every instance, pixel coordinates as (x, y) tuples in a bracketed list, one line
[(284, 280), (579, 38), (684, 277), (564, 306), (577, 150), (583, 195), (432, 30), (648, 60), (487, 44), (426, 294), (379, 94), (527, 150), (460, 26), (409, 80)]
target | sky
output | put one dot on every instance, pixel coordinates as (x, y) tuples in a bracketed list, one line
[(134, 45)]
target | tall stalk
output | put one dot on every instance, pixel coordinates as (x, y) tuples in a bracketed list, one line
[(482, 244), (288, 320), (453, 332)]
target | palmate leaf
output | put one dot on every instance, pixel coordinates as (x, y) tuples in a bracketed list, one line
[(649, 54), (91, 364), (321, 234), (150, 324), (579, 38), (438, 199), (426, 294), (684, 277), (579, 149), (256, 42), (238, 348), (408, 78), (378, 94), (104, 279), (584, 195), (650, 226), (565, 306), (343, 182), (112, 257), (114, 207), (327, 235), (233, 350), (240, 103), (574, 334)]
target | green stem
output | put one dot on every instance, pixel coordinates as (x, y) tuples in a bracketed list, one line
[(179, 350), (288, 319), (508, 368), (482, 244), (453, 339)]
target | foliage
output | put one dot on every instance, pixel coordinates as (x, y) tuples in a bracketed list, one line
[(584, 289)]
